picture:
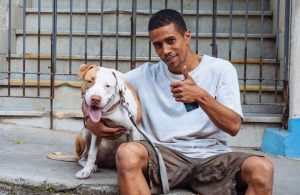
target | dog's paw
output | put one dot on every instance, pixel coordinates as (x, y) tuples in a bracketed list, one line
[(83, 174), (95, 168)]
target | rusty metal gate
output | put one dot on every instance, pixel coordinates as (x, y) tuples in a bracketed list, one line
[(113, 37)]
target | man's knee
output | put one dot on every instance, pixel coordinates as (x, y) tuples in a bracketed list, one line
[(264, 173), (131, 156), (258, 171)]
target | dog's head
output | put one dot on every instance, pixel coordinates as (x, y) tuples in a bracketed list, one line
[(101, 88)]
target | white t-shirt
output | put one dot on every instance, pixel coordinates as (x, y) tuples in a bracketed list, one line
[(167, 122)]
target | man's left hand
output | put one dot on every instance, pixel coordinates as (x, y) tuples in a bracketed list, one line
[(186, 91)]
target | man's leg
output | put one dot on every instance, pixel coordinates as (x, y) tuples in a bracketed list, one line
[(132, 162), (257, 172)]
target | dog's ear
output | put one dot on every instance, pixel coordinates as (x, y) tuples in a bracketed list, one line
[(84, 68), (120, 78)]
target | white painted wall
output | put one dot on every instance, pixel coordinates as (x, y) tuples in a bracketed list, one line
[(16, 15), (3, 35), (294, 79)]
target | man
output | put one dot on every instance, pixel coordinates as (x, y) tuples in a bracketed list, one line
[(192, 143)]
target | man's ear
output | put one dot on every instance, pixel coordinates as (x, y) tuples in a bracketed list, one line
[(84, 68), (187, 36)]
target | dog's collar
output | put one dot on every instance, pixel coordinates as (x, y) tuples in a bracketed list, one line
[(113, 108), (122, 101)]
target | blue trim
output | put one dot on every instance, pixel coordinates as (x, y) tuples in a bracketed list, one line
[(282, 142)]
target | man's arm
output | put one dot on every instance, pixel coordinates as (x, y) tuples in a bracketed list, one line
[(187, 91)]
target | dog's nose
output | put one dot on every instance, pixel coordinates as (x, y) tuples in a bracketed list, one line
[(95, 99)]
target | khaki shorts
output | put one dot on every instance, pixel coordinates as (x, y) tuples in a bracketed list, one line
[(215, 175)]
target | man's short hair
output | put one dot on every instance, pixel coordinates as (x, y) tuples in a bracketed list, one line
[(164, 18)]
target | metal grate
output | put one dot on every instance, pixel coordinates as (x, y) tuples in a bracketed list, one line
[(220, 29)]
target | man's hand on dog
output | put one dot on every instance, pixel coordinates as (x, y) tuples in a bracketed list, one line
[(100, 129)]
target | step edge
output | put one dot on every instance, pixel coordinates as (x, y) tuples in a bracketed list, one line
[(58, 83), (144, 34), (267, 13), (127, 58), (77, 114)]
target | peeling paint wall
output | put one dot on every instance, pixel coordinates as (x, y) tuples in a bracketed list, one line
[(3, 14), (295, 61), (3, 35)]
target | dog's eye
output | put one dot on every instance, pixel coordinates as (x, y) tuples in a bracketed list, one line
[(107, 86), (89, 81)]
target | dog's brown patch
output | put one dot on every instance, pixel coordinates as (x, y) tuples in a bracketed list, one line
[(136, 99), (87, 72), (80, 145)]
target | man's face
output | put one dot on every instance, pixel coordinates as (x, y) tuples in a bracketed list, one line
[(171, 46)]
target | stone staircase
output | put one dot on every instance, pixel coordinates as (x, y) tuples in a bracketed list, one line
[(67, 114)]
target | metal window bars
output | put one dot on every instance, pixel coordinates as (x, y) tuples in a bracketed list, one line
[(125, 21)]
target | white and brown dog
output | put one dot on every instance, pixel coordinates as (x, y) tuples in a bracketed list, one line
[(108, 97)]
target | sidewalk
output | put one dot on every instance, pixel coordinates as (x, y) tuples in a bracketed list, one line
[(25, 169)]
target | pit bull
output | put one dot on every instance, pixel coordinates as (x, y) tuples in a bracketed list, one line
[(109, 98)]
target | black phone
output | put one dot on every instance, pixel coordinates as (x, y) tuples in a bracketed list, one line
[(191, 106)]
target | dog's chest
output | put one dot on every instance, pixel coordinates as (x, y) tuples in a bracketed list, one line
[(118, 118)]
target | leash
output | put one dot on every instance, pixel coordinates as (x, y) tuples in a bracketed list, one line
[(162, 167)]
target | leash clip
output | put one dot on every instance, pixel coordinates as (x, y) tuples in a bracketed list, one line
[(125, 105)]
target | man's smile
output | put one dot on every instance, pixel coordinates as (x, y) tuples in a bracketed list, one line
[(170, 59)]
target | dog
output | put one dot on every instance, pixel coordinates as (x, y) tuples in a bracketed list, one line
[(109, 98)]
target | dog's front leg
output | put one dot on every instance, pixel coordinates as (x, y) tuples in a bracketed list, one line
[(90, 164)]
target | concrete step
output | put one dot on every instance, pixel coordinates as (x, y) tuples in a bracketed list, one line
[(269, 67), (142, 49), (157, 4), (109, 19), (71, 99), (250, 134), (68, 96)]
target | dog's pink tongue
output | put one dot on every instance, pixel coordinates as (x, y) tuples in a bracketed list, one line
[(95, 115)]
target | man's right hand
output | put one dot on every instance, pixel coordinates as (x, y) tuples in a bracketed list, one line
[(101, 130)]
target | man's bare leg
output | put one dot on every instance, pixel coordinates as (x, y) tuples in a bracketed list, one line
[(132, 163), (257, 172)]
